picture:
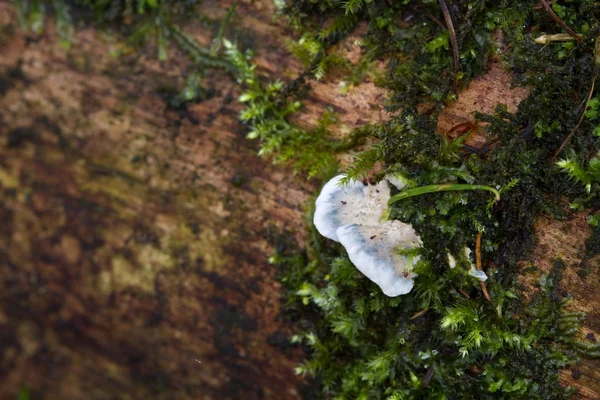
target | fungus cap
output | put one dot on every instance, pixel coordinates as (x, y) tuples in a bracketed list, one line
[(353, 214), (354, 203)]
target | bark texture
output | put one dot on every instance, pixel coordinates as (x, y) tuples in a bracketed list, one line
[(134, 237)]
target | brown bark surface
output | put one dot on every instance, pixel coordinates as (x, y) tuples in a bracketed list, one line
[(134, 238), (565, 241)]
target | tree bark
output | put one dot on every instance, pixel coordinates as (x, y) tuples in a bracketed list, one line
[(134, 238)]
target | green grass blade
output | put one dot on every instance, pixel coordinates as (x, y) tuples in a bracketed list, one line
[(217, 43), (440, 188)]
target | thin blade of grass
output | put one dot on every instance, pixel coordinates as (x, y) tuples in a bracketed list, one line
[(219, 39), (440, 188)]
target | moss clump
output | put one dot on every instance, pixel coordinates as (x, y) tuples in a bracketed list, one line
[(139, 22), (445, 340), (267, 121)]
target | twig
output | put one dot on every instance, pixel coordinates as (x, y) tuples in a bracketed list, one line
[(478, 264), (540, 6), (478, 251), (558, 37), (568, 139), (428, 375), (559, 21), (453, 41), (485, 292), (419, 313), (431, 17)]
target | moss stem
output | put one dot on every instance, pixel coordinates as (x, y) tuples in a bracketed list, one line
[(559, 21), (450, 26), (568, 139)]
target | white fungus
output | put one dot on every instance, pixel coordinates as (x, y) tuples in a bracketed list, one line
[(397, 180), (354, 215), (479, 274), (473, 271), (372, 250)]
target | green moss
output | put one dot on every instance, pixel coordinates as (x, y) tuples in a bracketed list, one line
[(267, 120), (138, 22), (436, 343), (365, 345)]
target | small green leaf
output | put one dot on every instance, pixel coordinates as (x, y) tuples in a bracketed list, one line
[(246, 97)]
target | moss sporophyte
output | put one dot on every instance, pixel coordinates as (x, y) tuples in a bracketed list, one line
[(449, 336)]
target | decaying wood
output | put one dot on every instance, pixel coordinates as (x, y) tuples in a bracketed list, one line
[(134, 236), (483, 94)]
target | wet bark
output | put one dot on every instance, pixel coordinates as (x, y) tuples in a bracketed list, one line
[(134, 237)]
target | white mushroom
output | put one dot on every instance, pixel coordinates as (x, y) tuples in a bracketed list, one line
[(354, 215), (478, 274)]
